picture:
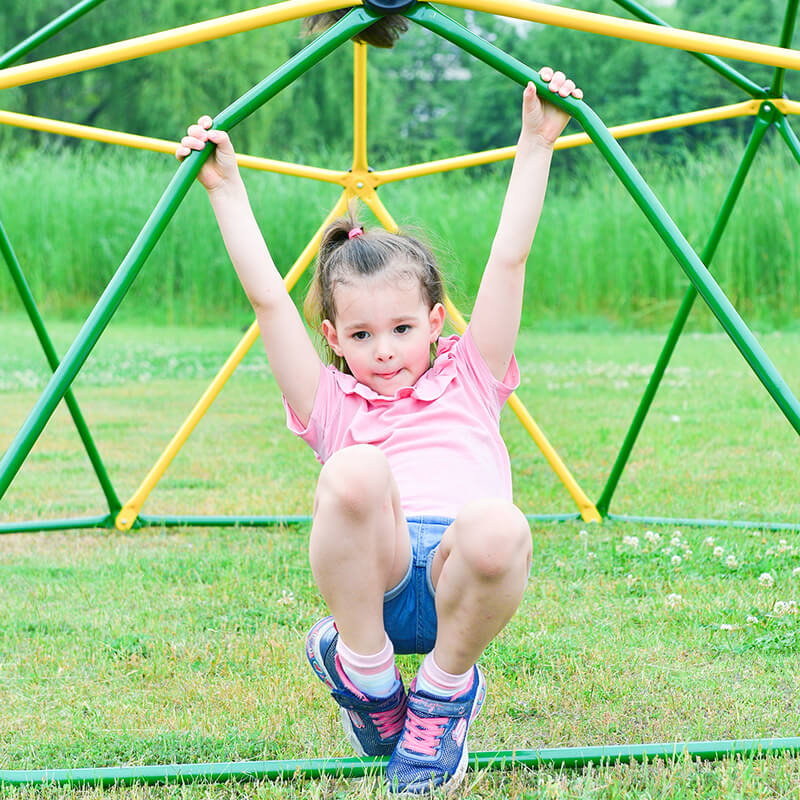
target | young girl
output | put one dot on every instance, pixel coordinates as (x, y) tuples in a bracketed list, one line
[(416, 544)]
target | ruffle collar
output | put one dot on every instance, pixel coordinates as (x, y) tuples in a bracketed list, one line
[(430, 386)]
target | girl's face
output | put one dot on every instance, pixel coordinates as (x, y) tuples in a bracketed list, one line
[(383, 330)]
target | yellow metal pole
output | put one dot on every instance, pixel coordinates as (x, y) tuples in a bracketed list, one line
[(587, 509), (166, 40), (127, 516), (676, 38), (162, 146), (787, 106), (748, 107), (359, 107)]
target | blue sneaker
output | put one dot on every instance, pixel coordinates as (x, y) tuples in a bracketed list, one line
[(432, 751), (372, 725)]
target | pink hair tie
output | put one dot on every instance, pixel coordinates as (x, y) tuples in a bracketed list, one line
[(355, 232)]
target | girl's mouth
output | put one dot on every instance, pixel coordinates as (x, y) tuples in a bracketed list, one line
[(387, 375)]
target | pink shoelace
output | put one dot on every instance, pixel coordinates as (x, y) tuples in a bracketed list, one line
[(423, 734), (389, 723)]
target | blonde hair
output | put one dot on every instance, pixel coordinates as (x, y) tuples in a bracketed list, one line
[(367, 254)]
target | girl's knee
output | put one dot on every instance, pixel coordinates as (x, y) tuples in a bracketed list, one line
[(355, 480), (494, 537)]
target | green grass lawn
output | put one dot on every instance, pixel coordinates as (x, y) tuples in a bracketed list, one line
[(185, 644)]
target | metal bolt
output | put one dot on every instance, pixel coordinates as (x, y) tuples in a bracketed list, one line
[(360, 184)]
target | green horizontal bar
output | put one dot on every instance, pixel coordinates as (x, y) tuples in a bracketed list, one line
[(707, 523), (433, 19), (176, 520), (717, 64), (75, 357), (44, 33), (72, 523), (560, 757)]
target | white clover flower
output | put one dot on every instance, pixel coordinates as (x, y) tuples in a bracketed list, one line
[(718, 551), (678, 534), (686, 549), (708, 541), (751, 620), (792, 609), (780, 608), (676, 560), (631, 541), (796, 572), (731, 561), (770, 552), (726, 627), (783, 546), (591, 556), (765, 579), (667, 551), (675, 541), (652, 537), (583, 534), (630, 580), (673, 600), (286, 598)]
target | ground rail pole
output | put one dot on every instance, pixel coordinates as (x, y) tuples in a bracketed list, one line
[(760, 128), (346, 28), (52, 359), (312, 768), (709, 290)]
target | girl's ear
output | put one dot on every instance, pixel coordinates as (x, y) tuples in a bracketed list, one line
[(436, 318), (329, 332)]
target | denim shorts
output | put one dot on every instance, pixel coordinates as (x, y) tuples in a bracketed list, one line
[(409, 611)]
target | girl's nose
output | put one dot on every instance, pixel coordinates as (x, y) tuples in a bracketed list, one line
[(383, 352)]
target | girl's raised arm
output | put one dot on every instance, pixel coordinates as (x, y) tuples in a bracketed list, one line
[(291, 353), (495, 317)]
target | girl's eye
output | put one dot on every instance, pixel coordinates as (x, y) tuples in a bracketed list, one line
[(402, 329), (360, 336)]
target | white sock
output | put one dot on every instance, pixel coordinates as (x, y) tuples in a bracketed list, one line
[(375, 674)]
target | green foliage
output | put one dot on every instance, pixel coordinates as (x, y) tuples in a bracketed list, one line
[(426, 97)]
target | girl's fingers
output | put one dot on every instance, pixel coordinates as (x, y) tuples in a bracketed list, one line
[(557, 81), (197, 132), (193, 143), (566, 88), (546, 73), (577, 93), (205, 121)]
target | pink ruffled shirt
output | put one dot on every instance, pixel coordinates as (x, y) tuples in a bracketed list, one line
[(440, 436)]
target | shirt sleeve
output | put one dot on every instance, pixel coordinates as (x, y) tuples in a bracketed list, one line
[(472, 365), (313, 434)]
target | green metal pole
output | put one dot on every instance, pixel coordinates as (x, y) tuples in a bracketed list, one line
[(789, 20), (344, 29), (554, 758), (24, 290), (43, 34), (717, 64), (761, 126), (38, 525), (709, 290), (707, 523), (789, 136)]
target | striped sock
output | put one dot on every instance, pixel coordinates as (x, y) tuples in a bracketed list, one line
[(375, 674), (433, 680)]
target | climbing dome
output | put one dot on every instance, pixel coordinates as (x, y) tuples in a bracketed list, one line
[(766, 105)]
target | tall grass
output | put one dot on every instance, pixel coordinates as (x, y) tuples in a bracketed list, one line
[(73, 215)]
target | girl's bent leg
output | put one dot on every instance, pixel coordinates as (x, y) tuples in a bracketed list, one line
[(480, 572), (359, 545)]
